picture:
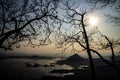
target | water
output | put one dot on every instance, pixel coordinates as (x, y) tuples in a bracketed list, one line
[(16, 69)]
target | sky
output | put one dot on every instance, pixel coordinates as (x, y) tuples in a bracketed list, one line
[(107, 28)]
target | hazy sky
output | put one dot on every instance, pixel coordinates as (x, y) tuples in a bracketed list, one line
[(107, 28)]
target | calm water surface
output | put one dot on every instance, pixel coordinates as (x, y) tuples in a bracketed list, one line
[(17, 70)]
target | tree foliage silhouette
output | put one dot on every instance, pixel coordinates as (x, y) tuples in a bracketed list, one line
[(24, 20), (78, 32)]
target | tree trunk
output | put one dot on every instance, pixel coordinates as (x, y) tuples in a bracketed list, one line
[(111, 47), (88, 48)]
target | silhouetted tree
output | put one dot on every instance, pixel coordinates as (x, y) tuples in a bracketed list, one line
[(75, 19), (114, 5), (24, 20), (77, 31), (110, 44)]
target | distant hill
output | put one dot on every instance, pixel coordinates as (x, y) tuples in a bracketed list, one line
[(74, 58), (74, 61)]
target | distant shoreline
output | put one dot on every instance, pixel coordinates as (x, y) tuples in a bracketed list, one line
[(26, 57)]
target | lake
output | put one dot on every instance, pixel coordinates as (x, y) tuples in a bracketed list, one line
[(16, 69)]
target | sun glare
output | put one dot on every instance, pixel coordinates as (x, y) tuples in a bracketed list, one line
[(93, 20)]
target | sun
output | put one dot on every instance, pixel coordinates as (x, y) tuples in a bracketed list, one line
[(93, 20)]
